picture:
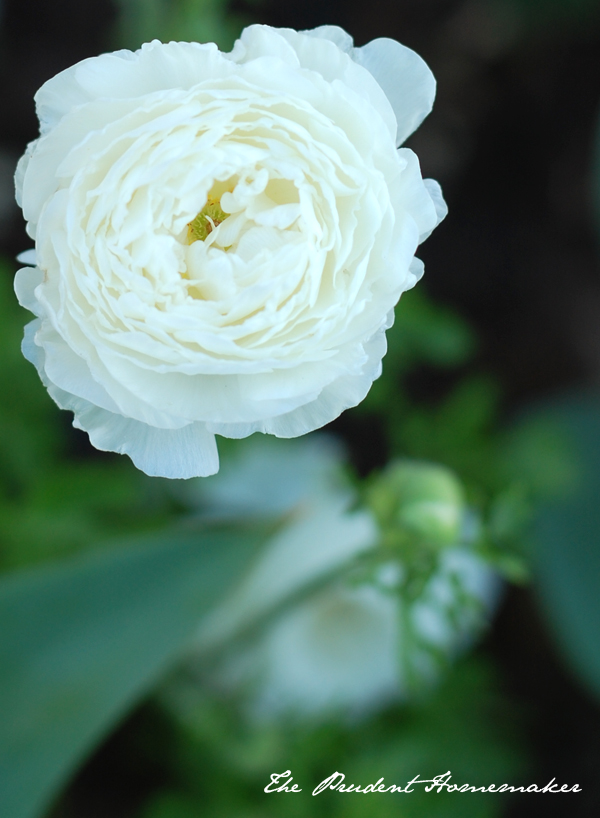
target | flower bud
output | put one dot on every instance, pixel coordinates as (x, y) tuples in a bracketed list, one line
[(422, 501)]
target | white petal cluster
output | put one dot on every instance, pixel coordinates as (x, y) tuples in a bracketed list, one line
[(342, 648), (352, 650), (275, 320)]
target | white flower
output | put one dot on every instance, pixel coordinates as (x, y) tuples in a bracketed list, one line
[(354, 649), (336, 650), (300, 481), (221, 238), (335, 653), (326, 645)]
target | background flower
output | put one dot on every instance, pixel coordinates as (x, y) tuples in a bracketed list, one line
[(308, 632), (221, 238)]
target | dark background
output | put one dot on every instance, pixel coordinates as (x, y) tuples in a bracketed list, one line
[(511, 140)]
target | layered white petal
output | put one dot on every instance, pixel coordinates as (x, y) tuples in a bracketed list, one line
[(405, 78), (402, 74), (441, 208), (190, 451), (324, 56), (26, 281), (336, 34), (125, 75), (173, 453), (342, 394), (27, 257)]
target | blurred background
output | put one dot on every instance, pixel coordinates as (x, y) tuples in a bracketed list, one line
[(501, 339)]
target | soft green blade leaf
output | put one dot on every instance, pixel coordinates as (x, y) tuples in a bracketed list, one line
[(567, 535), (81, 641)]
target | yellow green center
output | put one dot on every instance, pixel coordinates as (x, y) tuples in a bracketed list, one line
[(205, 222)]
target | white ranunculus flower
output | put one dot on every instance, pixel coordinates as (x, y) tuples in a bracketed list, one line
[(298, 635), (221, 238), (302, 483), (335, 650), (353, 649)]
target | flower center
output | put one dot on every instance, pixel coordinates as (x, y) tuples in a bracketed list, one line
[(205, 222)]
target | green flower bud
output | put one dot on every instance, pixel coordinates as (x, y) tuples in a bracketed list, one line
[(422, 501)]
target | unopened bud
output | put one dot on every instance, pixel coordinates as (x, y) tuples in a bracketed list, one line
[(423, 500)]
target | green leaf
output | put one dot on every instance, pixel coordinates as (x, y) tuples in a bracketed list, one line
[(430, 333), (458, 432), (82, 641), (140, 21), (567, 537), (424, 333)]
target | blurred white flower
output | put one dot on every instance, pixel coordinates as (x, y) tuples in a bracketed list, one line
[(352, 643), (352, 649), (303, 481), (221, 238), (335, 653)]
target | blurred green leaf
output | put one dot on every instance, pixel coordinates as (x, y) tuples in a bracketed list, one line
[(204, 21), (567, 539), (458, 432), (430, 333), (81, 641), (538, 451), (69, 506), (423, 333)]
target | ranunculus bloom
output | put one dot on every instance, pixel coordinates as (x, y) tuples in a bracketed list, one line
[(342, 644), (221, 238)]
